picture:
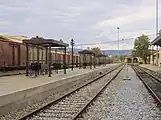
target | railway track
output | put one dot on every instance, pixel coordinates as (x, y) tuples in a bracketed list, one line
[(72, 105), (151, 80)]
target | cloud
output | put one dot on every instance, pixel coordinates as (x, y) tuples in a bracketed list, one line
[(86, 21)]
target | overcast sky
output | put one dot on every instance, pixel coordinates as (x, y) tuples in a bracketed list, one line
[(87, 21)]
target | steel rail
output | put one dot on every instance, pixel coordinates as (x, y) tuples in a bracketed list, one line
[(28, 115), (144, 69), (152, 92), (101, 90)]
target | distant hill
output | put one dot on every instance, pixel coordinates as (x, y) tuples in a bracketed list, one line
[(107, 52), (115, 52)]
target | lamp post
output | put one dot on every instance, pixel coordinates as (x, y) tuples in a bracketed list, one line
[(118, 39), (72, 44)]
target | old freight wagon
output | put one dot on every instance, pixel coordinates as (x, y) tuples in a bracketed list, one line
[(12, 52)]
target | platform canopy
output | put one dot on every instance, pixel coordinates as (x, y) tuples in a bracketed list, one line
[(48, 44), (157, 41), (86, 52), (45, 42)]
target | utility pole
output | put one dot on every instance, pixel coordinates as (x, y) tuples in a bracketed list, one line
[(72, 44), (118, 42), (157, 11), (118, 39), (157, 17)]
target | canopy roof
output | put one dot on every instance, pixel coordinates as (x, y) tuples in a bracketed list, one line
[(86, 52), (157, 41), (45, 42)]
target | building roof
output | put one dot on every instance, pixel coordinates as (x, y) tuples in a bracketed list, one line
[(10, 38), (45, 42), (157, 41)]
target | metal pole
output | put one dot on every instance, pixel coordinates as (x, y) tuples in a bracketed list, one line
[(65, 60), (157, 17), (118, 40), (72, 57), (157, 30), (72, 44)]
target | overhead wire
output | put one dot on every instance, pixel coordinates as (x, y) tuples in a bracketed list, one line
[(105, 42)]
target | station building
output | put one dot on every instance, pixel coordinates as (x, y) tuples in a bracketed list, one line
[(155, 58), (131, 59)]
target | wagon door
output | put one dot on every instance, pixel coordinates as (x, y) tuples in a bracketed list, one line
[(18, 55), (12, 61)]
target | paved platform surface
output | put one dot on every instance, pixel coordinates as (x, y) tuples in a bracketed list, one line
[(10, 73), (11, 84), (152, 67)]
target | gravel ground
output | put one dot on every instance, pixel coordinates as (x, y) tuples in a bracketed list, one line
[(124, 100)]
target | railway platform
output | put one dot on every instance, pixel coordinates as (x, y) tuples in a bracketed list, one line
[(20, 90), (152, 67), (11, 73)]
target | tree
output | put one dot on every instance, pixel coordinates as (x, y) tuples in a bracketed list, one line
[(96, 50), (141, 47), (122, 57), (88, 48), (133, 53), (160, 32)]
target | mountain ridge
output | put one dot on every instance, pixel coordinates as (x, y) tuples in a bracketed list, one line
[(107, 52)]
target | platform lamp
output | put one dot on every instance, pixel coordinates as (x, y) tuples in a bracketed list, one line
[(72, 43)]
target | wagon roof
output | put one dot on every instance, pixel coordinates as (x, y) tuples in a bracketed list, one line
[(45, 42), (10, 38)]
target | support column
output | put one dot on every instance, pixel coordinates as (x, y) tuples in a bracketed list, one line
[(46, 55), (50, 61), (79, 61), (42, 57), (56, 65), (27, 59), (90, 61), (72, 59), (94, 61), (152, 55), (55, 56), (33, 53), (85, 59), (157, 55), (64, 60), (38, 58), (38, 54)]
